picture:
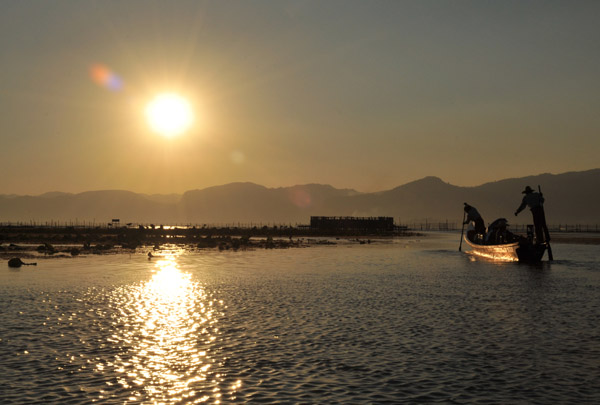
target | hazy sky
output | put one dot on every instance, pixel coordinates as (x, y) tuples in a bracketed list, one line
[(359, 94)]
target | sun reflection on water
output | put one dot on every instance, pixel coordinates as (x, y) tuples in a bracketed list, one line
[(165, 333)]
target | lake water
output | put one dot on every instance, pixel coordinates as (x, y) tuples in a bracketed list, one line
[(413, 321)]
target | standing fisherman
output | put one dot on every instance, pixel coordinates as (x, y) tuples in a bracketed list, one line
[(535, 201)]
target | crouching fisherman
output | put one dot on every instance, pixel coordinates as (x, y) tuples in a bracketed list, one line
[(498, 234), (474, 216)]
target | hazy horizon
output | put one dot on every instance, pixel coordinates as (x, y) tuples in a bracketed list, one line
[(281, 186), (358, 95)]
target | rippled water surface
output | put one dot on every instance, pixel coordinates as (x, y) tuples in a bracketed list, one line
[(413, 321)]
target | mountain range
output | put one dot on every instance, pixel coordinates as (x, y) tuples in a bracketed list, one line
[(572, 198)]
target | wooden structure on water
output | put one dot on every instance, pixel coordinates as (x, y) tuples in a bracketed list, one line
[(364, 225)]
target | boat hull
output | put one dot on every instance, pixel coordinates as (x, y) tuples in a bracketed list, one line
[(530, 253), (523, 252)]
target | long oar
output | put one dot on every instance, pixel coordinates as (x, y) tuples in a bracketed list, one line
[(462, 232), (550, 256), (546, 232)]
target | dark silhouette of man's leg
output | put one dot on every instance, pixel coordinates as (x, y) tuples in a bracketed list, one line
[(539, 223)]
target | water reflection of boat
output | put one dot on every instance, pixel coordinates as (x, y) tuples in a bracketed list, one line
[(500, 244)]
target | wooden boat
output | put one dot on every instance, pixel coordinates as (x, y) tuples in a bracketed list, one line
[(522, 251), (504, 246)]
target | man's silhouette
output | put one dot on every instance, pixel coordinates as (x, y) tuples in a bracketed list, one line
[(535, 201)]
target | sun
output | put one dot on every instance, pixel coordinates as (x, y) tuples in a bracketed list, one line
[(169, 114)]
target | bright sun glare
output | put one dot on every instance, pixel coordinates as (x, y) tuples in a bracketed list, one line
[(169, 114)]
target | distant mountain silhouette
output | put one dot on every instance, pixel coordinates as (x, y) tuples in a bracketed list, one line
[(91, 206), (163, 198), (248, 202), (53, 194), (572, 198)]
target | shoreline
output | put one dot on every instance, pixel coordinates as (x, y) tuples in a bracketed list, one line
[(29, 242), (45, 251), (571, 238), (591, 238), (50, 244)]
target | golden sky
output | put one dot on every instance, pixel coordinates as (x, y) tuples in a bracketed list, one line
[(357, 94)]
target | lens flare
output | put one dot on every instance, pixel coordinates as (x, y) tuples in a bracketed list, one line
[(300, 198), (237, 157), (104, 77)]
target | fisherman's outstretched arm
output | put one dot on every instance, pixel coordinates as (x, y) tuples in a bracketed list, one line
[(521, 207)]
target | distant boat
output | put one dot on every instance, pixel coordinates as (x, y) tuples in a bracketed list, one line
[(499, 244)]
